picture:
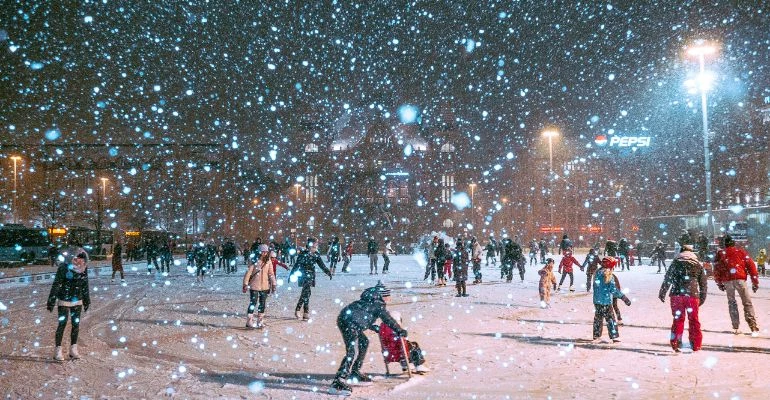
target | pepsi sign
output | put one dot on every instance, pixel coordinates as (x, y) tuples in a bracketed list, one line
[(623, 141)]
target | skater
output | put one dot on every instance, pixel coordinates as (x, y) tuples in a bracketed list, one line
[(543, 246), (277, 263), (592, 263), (70, 294), (441, 257), (165, 258), (512, 256), (476, 260), (448, 258), (547, 281), (623, 254), (491, 249), (259, 280), (638, 249), (659, 254), (200, 262), (386, 252), (611, 248), (352, 322), (333, 255), (304, 272), (347, 255), (117, 262), (392, 350), (533, 252), (565, 268), (604, 291), (151, 252), (565, 244), (430, 267), (688, 283), (371, 251), (230, 255), (703, 246), (761, 259), (460, 268), (732, 266)]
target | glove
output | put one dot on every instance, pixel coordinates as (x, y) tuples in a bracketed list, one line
[(375, 328), (582, 269), (721, 286), (402, 333), (662, 298), (330, 276), (701, 301), (627, 300), (244, 289), (754, 288), (49, 307), (85, 307)]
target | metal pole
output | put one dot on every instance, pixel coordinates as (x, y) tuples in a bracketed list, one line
[(550, 180), (15, 211), (706, 153)]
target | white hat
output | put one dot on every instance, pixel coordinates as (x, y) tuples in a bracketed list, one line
[(263, 248)]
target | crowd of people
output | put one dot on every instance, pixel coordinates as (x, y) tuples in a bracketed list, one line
[(684, 283)]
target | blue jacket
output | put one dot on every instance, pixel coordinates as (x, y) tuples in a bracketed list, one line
[(604, 292)]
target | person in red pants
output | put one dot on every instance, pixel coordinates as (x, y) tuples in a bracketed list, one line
[(687, 280)]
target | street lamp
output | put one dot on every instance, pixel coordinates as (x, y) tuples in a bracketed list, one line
[(297, 186), (473, 209), (15, 212), (701, 50), (550, 134), (104, 188)]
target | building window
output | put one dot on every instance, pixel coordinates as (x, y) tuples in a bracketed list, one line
[(311, 148), (447, 148), (448, 223), (311, 194), (447, 188)]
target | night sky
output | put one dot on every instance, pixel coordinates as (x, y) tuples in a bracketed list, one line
[(235, 72)]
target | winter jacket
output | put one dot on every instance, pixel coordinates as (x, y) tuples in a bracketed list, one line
[(371, 247), (566, 263), (733, 264), (334, 251), (623, 247), (605, 291), (611, 248), (70, 286), (117, 255), (686, 277), (387, 250), (305, 265), (565, 244), (592, 261), (260, 276), (361, 314), (761, 259), (460, 264), (476, 251), (547, 279), (512, 253)]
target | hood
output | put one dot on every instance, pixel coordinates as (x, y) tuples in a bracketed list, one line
[(67, 255), (687, 256)]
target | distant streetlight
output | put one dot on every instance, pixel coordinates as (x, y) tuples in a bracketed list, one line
[(700, 51), (297, 186), (15, 211), (550, 134), (473, 209), (104, 188)]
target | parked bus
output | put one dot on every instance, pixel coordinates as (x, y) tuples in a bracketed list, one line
[(87, 238), (21, 244)]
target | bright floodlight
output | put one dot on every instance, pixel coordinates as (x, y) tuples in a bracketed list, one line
[(702, 49), (550, 133)]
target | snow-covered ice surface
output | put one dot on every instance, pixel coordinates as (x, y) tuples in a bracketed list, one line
[(155, 339)]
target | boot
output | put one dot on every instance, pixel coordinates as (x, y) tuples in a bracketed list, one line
[(297, 314), (260, 320), (58, 356), (571, 288), (305, 316), (74, 352), (250, 321)]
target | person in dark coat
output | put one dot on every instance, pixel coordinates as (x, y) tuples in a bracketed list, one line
[(565, 244), (70, 294), (304, 273), (592, 262), (687, 280), (441, 255), (334, 253), (460, 268), (623, 249), (352, 322), (117, 261)]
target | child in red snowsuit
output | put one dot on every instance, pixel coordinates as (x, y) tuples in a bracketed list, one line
[(448, 262), (392, 351), (276, 263), (565, 268)]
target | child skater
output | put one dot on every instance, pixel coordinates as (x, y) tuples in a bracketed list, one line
[(604, 291), (761, 259), (447, 262), (460, 268), (547, 281), (565, 268), (592, 261)]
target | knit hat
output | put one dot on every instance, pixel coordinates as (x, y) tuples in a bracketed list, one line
[(263, 248), (687, 247), (609, 262), (729, 240), (382, 289), (311, 241)]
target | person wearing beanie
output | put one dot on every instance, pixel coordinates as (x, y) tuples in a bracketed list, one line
[(371, 251), (733, 266), (259, 280), (565, 269), (303, 272), (386, 252), (547, 281), (605, 290), (352, 321), (460, 268), (70, 294), (687, 280)]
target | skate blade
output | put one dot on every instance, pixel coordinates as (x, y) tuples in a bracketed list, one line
[(337, 392)]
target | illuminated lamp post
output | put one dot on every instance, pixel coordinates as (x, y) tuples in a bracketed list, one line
[(550, 134), (15, 201)]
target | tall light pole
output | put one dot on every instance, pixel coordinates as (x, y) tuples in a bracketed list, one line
[(297, 186), (701, 50), (15, 201), (473, 208), (550, 134), (104, 188)]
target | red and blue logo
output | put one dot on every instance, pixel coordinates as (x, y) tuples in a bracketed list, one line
[(600, 140)]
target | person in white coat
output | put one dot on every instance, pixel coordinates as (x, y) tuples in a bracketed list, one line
[(259, 280)]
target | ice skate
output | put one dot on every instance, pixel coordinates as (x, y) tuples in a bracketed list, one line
[(297, 314), (305, 317), (357, 378), (736, 331), (339, 388), (57, 355), (74, 354), (571, 288), (422, 369), (260, 320), (250, 321), (616, 340)]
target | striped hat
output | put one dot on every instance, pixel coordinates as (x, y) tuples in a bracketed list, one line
[(382, 289)]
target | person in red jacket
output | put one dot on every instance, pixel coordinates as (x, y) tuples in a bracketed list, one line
[(565, 268), (732, 266)]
